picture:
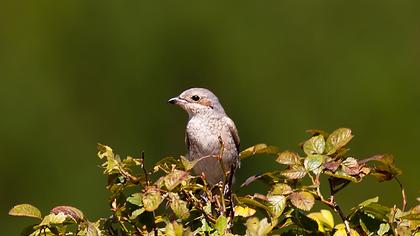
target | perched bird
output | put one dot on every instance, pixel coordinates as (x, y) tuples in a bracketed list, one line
[(208, 129)]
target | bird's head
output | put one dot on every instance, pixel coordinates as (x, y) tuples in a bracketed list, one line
[(198, 100)]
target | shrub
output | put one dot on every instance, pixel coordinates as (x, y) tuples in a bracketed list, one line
[(167, 200)]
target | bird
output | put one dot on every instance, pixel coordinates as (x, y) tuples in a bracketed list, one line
[(210, 134)]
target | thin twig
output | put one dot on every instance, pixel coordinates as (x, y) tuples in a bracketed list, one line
[(404, 197)]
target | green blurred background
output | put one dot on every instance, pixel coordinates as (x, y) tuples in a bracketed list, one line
[(74, 73)]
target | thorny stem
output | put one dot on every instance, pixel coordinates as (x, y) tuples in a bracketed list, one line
[(404, 197), (146, 176), (331, 202)]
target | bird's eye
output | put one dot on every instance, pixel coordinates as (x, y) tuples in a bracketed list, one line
[(195, 98)]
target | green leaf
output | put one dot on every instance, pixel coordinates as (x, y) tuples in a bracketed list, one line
[(337, 139), (288, 158), (136, 213), (313, 162), (383, 229), (281, 189), (294, 172), (152, 199), (25, 210), (135, 199), (179, 207), (277, 203), (52, 219), (258, 149), (314, 145), (221, 225), (302, 200), (341, 231)]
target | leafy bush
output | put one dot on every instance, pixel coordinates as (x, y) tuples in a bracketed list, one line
[(167, 200)]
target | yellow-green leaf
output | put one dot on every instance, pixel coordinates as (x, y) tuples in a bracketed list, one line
[(152, 199), (25, 210), (337, 139), (314, 145), (294, 172), (244, 211)]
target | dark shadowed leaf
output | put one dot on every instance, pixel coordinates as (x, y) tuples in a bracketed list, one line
[(302, 200), (152, 198), (268, 178), (337, 139), (304, 221), (288, 158), (314, 145), (316, 132), (336, 184), (294, 172), (258, 149), (25, 210)]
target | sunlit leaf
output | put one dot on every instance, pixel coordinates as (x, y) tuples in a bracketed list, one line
[(136, 213), (255, 227), (258, 149), (313, 162), (341, 231), (277, 203), (324, 218), (25, 210), (52, 219), (337, 139), (74, 213), (176, 229), (383, 229), (152, 199), (251, 202), (294, 172), (302, 200), (288, 158), (244, 211), (173, 179), (221, 224), (314, 145)]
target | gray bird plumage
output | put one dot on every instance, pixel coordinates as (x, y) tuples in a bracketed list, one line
[(207, 123)]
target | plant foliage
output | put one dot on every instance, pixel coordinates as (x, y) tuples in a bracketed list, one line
[(168, 200)]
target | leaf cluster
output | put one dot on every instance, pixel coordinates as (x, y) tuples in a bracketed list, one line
[(167, 200)]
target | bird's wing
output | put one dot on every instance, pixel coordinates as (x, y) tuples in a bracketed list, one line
[(233, 132)]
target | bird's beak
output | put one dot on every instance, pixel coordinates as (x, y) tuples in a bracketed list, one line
[(176, 101)]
